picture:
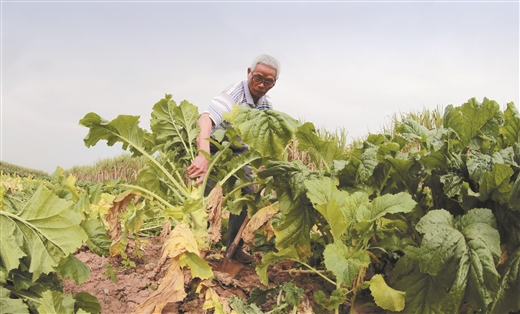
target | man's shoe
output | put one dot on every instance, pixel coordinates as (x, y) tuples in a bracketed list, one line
[(243, 257)]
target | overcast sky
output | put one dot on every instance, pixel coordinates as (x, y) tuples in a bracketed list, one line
[(347, 65)]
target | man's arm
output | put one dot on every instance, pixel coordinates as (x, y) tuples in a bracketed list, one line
[(199, 167)]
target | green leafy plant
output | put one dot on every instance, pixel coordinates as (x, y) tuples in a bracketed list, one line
[(161, 189), (459, 253), (285, 298), (469, 164), (353, 220), (39, 237), (110, 272), (439, 199)]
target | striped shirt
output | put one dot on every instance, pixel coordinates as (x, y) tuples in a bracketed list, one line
[(236, 94)]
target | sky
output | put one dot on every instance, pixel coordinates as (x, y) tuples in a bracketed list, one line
[(345, 65)]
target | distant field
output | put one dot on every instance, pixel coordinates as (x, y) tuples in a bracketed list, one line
[(122, 167), (12, 169)]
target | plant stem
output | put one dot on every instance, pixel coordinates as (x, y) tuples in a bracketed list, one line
[(239, 188), (145, 191), (302, 271), (316, 271), (212, 165), (233, 172), (355, 289), (157, 164), (177, 174)]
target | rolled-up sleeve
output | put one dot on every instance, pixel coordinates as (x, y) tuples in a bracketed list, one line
[(219, 104)]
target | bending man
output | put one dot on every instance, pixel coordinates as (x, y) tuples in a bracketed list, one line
[(261, 77)]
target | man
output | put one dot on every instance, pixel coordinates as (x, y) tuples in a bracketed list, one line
[(261, 77)]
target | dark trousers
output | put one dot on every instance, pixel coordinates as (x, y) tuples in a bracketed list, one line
[(235, 221)]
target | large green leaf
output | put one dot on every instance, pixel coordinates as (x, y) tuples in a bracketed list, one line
[(72, 267), (152, 178), (335, 217), (266, 131), (235, 167), (175, 125), (478, 227), (495, 184), (405, 173), (298, 215), (339, 208), (386, 204), (54, 302), (297, 222), (323, 190), (478, 164), (355, 203), (411, 130), (124, 129), (98, 240), (474, 122), (287, 177), (466, 248), (45, 231), (424, 294), (511, 127), (344, 262), (367, 164), (451, 184), (86, 302), (11, 305)]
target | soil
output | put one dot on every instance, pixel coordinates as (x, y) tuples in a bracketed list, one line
[(135, 284)]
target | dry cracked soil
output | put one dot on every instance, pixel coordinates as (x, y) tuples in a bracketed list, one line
[(120, 288)]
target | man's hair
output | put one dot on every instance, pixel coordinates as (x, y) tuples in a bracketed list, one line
[(267, 60)]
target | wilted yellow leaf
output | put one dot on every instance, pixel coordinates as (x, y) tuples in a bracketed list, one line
[(215, 214), (180, 240), (269, 231), (258, 220), (112, 217), (212, 299), (171, 289)]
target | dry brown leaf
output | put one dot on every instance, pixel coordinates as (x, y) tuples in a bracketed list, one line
[(180, 240), (167, 228), (258, 220), (171, 289), (112, 217), (269, 231), (211, 296), (215, 214), (224, 278)]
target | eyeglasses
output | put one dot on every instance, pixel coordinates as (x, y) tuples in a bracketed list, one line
[(258, 79)]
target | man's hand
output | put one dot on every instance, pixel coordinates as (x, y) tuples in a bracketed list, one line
[(198, 169)]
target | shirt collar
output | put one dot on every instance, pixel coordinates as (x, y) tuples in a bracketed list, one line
[(247, 92)]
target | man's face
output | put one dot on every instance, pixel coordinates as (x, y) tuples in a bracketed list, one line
[(261, 80)]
